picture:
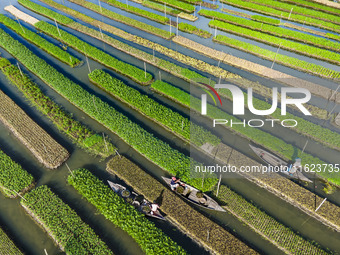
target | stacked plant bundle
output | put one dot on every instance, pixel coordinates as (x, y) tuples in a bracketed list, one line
[(283, 14), (80, 134), (278, 58), (123, 19), (272, 230), (154, 149), (62, 223), (39, 41), (137, 11), (300, 48), (48, 151), (7, 246), (196, 225), (273, 30), (14, 179), (161, 114), (150, 238), (193, 30), (258, 136)]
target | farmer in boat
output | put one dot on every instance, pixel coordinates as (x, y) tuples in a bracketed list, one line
[(154, 207), (174, 183)]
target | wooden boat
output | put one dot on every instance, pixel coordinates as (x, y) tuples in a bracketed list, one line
[(136, 200), (290, 170), (190, 193)]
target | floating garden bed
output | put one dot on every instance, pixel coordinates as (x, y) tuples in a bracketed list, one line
[(14, 179), (193, 30), (40, 42), (114, 208), (123, 19), (284, 15), (7, 245), (314, 5), (178, 5), (157, 112), (80, 134), (206, 232), (62, 223), (266, 20), (279, 58), (48, 151), (300, 48), (154, 149), (273, 30)]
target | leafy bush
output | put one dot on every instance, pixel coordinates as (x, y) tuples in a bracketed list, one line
[(151, 239), (138, 138), (62, 223), (39, 41), (79, 133), (272, 40), (193, 30), (279, 58), (95, 53), (13, 178)]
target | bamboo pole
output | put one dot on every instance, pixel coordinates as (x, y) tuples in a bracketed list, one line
[(321, 204), (107, 149), (45, 252), (218, 185), (275, 56), (165, 10), (69, 169), (56, 24), (100, 6), (20, 24), (20, 69), (290, 13)]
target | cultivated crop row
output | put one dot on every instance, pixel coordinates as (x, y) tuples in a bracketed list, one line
[(265, 225), (313, 5), (284, 15), (205, 231), (161, 114), (178, 5), (273, 30), (136, 11), (123, 19), (62, 223), (193, 30), (7, 246), (119, 66), (37, 140), (138, 138), (266, 20), (286, 7), (300, 48), (14, 179), (39, 41), (279, 58), (114, 208), (80, 134), (273, 143), (161, 8)]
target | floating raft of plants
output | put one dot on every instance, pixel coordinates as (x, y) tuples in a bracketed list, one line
[(206, 232), (48, 151), (114, 208), (14, 180), (7, 246), (80, 134), (62, 223)]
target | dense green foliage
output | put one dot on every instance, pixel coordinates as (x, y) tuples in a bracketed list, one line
[(258, 136), (264, 19), (284, 15), (39, 41), (274, 30), (276, 41), (160, 7), (95, 53), (62, 223), (138, 138), (79, 133), (267, 226), (154, 110), (138, 11), (7, 245), (151, 239), (178, 5), (124, 19), (185, 27), (13, 178), (314, 5), (279, 58)]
